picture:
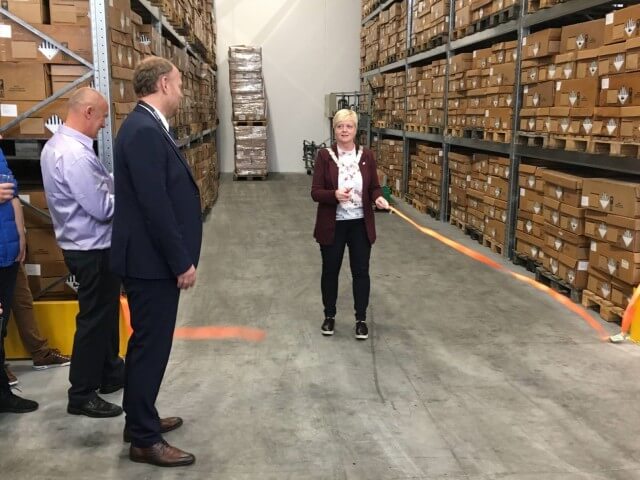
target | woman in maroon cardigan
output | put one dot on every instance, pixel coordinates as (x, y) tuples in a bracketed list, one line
[(345, 185)]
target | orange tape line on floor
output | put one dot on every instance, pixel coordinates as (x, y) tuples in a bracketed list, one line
[(202, 333), (566, 302)]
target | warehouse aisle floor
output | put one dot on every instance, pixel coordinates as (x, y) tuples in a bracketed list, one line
[(468, 375)]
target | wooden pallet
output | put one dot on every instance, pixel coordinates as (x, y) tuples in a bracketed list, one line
[(535, 5), (434, 130), (558, 284), (438, 40), (614, 147), (494, 245), (433, 213), (418, 205), (473, 133), (419, 48), (522, 260), (458, 223), (608, 311), (533, 139), (498, 136), (381, 124), (504, 15), (474, 233), (564, 142), (250, 177), (459, 33)]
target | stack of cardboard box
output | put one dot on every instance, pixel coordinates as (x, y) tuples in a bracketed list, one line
[(418, 179), (476, 191), (613, 223), (536, 5), (370, 45), (44, 264), (389, 104), (393, 33), (460, 168), (203, 160), (566, 247), (249, 110), (390, 161), (530, 223), (430, 23), (435, 105), (475, 14), (496, 198)]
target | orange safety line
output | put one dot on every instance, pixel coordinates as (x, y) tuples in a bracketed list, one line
[(201, 333), (577, 309)]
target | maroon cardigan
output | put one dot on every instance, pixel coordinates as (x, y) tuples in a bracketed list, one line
[(323, 191)]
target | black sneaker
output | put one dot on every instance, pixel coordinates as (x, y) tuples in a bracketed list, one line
[(96, 408), (327, 326), (362, 332), (14, 404)]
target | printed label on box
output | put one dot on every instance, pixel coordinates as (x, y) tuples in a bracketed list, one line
[(605, 83), (585, 201), (624, 264), (583, 266), (609, 18), (8, 110), (5, 31), (33, 269), (522, 192)]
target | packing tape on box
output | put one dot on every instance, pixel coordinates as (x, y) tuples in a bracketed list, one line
[(479, 257)]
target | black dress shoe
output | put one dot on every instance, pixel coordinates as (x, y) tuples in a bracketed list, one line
[(107, 389), (327, 326), (11, 403), (96, 408), (166, 425), (161, 454)]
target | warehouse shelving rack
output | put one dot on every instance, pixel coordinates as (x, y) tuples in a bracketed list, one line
[(100, 69), (561, 14)]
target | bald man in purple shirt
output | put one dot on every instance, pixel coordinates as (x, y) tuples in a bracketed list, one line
[(79, 192)]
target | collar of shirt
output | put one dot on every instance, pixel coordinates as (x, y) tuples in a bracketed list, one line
[(346, 152), (161, 117), (80, 137)]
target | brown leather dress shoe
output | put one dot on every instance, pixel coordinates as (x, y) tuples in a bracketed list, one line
[(166, 425), (161, 454)]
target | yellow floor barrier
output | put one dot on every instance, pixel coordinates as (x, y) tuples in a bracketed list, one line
[(57, 323)]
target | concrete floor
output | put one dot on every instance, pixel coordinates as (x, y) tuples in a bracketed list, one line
[(468, 374)]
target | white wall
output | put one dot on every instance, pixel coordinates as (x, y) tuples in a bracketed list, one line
[(309, 48)]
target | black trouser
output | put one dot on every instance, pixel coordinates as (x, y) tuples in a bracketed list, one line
[(7, 285), (154, 306), (94, 359), (351, 233)]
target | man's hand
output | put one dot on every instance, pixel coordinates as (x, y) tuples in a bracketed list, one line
[(343, 194), (382, 203), (6, 192), (187, 279)]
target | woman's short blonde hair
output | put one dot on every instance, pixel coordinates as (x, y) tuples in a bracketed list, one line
[(345, 115)]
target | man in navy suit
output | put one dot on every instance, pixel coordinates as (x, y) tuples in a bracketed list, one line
[(157, 232)]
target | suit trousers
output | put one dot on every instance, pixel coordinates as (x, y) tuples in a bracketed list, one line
[(154, 306), (94, 359), (7, 285), (351, 233)]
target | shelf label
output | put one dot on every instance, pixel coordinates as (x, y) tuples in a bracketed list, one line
[(5, 31), (8, 110)]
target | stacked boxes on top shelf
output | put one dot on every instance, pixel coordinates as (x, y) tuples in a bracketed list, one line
[(393, 33), (389, 100), (481, 88), (537, 5), (369, 45), (425, 179), (249, 106), (473, 16), (430, 24), (390, 161), (613, 224)]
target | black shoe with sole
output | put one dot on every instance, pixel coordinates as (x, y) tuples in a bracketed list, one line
[(96, 408), (11, 403), (327, 326), (362, 331)]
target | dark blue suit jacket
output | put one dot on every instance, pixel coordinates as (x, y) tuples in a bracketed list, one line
[(157, 224)]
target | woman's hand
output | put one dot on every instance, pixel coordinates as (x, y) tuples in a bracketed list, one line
[(7, 192), (343, 194), (382, 203)]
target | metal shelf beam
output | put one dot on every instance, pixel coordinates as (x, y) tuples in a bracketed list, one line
[(482, 145), (486, 35), (562, 10), (389, 132), (194, 138), (393, 66), (434, 52), (425, 137), (625, 165), (377, 11)]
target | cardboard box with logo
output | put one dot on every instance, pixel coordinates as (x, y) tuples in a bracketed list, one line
[(619, 197), (42, 124), (542, 44), (622, 24), (582, 36), (24, 81)]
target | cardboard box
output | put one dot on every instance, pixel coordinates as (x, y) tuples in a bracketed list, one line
[(621, 293), (582, 36), (621, 232), (612, 60), (620, 90), (563, 187), (618, 263), (630, 122), (42, 124), (69, 12), (42, 246), (587, 63), (540, 96), (619, 197), (31, 11), (599, 283), (502, 75), (24, 81), (578, 93), (531, 201), (542, 44), (632, 54), (622, 24), (530, 177), (63, 75), (528, 226), (562, 244), (575, 272)]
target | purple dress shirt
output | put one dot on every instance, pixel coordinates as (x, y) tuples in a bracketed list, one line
[(79, 191)]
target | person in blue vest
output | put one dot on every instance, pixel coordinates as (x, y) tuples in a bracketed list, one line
[(12, 252)]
